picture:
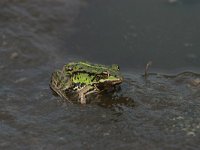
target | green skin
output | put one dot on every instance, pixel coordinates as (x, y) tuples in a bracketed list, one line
[(84, 78)]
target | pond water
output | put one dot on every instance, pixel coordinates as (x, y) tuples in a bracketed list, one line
[(159, 112)]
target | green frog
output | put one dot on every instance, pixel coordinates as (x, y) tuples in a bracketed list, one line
[(84, 78)]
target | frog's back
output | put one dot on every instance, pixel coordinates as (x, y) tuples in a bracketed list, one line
[(89, 68)]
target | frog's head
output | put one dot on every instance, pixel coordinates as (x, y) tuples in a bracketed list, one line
[(111, 76)]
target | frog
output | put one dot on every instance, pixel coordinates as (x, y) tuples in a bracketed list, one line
[(84, 78)]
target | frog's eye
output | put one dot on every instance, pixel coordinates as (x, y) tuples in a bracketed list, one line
[(106, 73), (115, 67), (118, 67)]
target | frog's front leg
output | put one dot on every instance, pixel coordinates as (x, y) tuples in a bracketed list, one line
[(84, 91)]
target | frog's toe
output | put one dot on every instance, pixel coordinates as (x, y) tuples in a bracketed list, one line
[(82, 98)]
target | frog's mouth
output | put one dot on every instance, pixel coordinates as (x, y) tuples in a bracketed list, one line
[(111, 82)]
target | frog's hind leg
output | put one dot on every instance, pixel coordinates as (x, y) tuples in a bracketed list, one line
[(83, 92), (63, 96), (60, 93)]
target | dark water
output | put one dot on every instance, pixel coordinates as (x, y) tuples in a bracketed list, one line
[(160, 112), (133, 32)]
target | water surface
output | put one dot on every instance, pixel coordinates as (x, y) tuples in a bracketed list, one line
[(133, 32)]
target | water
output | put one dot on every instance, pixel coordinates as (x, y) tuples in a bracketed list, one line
[(160, 112), (132, 33)]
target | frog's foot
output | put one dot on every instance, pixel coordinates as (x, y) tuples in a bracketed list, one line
[(82, 98), (83, 92)]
